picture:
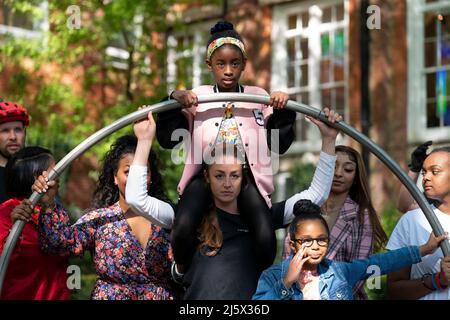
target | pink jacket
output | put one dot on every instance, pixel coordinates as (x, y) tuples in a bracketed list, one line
[(204, 122)]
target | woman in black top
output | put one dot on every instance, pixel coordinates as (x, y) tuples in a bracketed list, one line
[(222, 260), (224, 264)]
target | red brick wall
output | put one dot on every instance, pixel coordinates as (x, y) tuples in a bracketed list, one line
[(254, 23), (388, 96)]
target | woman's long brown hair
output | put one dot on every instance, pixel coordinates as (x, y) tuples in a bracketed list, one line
[(359, 192), (209, 233)]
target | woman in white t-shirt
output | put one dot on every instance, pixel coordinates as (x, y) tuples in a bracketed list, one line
[(429, 279)]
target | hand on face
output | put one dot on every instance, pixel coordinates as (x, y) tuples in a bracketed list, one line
[(295, 267), (145, 129), (325, 130)]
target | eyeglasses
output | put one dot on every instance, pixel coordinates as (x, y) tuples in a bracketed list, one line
[(322, 241)]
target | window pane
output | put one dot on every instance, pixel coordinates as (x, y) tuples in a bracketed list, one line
[(445, 52), (338, 69), (326, 97), (325, 71), (326, 14), (291, 76), (339, 43), (304, 75), (444, 23), (432, 119), (301, 125), (431, 85), (291, 49), (430, 54), (305, 19), (17, 18), (430, 24), (438, 111), (325, 44), (441, 94), (339, 12), (292, 22), (304, 48), (339, 94)]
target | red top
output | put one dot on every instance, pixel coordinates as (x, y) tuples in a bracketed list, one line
[(31, 274)]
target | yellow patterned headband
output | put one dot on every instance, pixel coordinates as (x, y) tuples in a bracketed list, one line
[(225, 40)]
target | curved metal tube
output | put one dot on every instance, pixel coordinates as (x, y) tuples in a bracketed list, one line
[(218, 97)]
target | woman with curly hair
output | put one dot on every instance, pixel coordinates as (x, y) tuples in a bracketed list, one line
[(131, 254)]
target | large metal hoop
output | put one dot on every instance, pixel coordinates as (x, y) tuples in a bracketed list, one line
[(218, 97)]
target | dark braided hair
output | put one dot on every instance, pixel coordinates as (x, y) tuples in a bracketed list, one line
[(306, 210), (223, 29), (107, 193)]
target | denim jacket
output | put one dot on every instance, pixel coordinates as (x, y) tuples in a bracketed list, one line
[(336, 279)]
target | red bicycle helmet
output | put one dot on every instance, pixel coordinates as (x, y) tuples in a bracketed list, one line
[(11, 111)]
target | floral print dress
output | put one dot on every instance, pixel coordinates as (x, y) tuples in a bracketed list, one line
[(126, 270)]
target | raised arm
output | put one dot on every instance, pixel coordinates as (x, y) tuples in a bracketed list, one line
[(401, 286), (136, 193), (405, 200), (323, 177), (391, 261)]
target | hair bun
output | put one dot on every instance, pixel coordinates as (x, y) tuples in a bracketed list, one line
[(221, 26), (305, 206)]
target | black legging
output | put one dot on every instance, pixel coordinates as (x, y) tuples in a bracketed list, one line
[(195, 203)]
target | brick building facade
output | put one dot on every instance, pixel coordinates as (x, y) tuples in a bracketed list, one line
[(381, 63)]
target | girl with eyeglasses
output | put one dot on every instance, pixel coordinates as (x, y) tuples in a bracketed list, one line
[(308, 275), (355, 228)]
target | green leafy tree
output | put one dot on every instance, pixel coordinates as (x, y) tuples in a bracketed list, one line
[(73, 87)]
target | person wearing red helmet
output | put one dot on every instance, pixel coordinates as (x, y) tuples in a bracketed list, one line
[(14, 119)]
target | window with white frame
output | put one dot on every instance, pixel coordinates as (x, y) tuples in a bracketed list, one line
[(24, 24), (186, 67), (429, 70), (309, 59)]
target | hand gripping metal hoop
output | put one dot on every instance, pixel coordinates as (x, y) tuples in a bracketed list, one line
[(219, 97)]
